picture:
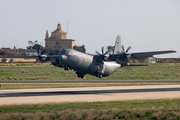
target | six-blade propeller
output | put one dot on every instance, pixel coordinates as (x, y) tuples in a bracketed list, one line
[(42, 57), (105, 55)]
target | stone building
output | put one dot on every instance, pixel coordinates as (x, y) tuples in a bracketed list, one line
[(58, 40)]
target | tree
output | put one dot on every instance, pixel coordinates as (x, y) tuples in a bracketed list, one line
[(80, 48), (31, 44), (83, 47), (39, 48), (35, 46), (110, 48), (29, 47)]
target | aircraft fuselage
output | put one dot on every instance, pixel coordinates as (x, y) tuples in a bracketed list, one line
[(86, 64)]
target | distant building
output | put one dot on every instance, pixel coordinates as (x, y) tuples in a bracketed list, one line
[(150, 60), (19, 51), (168, 60), (31, 53), (10, 51), (58, 40)]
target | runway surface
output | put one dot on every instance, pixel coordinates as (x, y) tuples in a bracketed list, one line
[(21, 94), (97, 81), (88, 94)]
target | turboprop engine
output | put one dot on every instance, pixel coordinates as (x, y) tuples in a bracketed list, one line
[(123, 63)]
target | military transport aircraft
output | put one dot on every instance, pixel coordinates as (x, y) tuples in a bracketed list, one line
[(100, 65)]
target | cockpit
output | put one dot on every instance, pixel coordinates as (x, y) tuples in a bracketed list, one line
[(65, 52)]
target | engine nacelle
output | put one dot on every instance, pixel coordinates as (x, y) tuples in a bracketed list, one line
[(57, 64), (106, 56), (123, 63), (43, 57)]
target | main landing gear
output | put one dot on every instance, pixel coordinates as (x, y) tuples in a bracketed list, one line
[(98, 74), (80, 75)]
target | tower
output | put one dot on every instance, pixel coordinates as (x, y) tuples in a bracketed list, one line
[(58, 40)]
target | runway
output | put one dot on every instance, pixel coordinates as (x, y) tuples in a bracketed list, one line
[(88, 94), (97, 81)]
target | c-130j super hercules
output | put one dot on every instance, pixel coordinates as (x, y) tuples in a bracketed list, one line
[(100, 65)]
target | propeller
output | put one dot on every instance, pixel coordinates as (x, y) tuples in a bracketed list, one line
[(126, 50), (41, 57), (105, 55), (124, 60)]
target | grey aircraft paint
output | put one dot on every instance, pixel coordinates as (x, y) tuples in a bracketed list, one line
[(87, 64), (117, 48)]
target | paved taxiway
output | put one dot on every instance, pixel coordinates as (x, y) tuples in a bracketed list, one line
[(100, 81), (88, 94)]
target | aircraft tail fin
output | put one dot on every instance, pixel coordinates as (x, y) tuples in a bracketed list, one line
[(117, 48)]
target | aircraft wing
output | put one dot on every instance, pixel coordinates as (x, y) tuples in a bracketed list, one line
[(149, 54), (138, 55)]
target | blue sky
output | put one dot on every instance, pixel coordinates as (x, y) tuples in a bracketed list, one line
[(145, 25)]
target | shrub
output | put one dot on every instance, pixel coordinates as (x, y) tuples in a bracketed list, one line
[(2, 70), (23, 71)]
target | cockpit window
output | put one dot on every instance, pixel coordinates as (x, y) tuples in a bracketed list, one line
[(66, 52)]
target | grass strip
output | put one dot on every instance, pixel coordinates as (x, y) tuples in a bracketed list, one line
[(48, 72), (138, 109), (67, 85)]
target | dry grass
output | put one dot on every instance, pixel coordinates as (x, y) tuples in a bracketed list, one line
[(102, 114)]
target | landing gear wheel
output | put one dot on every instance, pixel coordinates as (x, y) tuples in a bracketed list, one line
[(80, 75), (100, 76), (97, 73), (66, 67)]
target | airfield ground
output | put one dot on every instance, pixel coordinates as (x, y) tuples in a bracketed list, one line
[(158, 108), (46, 71)]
